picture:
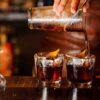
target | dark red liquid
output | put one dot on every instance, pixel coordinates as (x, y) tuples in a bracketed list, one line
[(57, 26), (50, 27), (79, 73), (49, 73)]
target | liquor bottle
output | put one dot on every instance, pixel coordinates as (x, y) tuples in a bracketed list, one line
[(6, 58)]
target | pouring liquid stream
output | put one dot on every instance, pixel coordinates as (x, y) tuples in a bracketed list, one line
[(85, 34), (87, 44)]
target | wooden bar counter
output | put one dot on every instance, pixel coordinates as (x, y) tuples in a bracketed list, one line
[(26, 88)]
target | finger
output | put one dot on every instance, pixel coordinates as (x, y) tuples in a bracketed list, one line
[(61, 6), (74, 5), (85, 8), (55, 5)]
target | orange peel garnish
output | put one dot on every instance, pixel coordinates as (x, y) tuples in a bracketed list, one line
[(82, 54), (53, 54)]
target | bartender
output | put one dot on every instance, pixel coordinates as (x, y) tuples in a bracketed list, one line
[(74, 41)]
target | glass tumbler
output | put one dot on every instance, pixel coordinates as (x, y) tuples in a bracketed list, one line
[(48, 70), (80, 71)]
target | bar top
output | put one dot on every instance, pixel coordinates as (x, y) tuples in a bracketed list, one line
[(26, 88)]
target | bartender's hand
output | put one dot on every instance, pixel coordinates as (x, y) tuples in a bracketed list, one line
[(59, 5)]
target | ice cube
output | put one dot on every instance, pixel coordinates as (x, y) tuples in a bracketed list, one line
[(77, 61), (49, 63)]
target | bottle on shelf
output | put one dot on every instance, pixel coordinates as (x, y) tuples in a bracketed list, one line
[(6, 57)]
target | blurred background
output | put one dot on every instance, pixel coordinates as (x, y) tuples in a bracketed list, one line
[(18, 43)]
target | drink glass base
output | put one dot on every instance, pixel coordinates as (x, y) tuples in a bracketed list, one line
[(80, 85), (54, 84)]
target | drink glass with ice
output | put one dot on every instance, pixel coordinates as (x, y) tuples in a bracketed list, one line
[(48, 70), (80, 71)]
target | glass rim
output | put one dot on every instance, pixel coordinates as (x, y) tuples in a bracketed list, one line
[(86, 57), (44, 54)]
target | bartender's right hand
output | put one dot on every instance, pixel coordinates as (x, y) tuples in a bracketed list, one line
[(59, 5)]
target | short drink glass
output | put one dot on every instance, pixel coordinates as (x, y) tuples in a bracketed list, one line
[(80, 71), (48, 70)]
